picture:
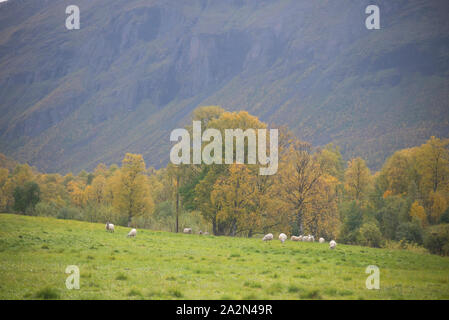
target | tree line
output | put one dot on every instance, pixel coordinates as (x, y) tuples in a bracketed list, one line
[(313, 192)]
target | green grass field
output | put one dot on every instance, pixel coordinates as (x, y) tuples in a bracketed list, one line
[(35, 251)]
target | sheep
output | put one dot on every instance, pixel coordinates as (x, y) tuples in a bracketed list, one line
[(109, 227), (200, 232), (268, 237), (295, 238), (206, 233), (332, 244), (321, 240), (132, 233), (300, 238), (282, 237), (187, 230), (310, 238)]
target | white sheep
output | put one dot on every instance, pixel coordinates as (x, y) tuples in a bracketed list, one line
[(321, 240), (109, 227), (332, 244), (187, 230), (300, 238), (268, 237), (132, 233), (312, 238), (282, 237), (206, 233), (295, 238)]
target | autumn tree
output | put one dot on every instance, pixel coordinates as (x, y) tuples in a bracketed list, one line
[(299, 172), (357, 179), (203, 200), (438, 203), (433, 157), (321, 216), (417, 212), (132, 195), (234, 194)]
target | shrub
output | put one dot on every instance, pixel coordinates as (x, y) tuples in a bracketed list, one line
[(70, 213), (26, 197), (352, 220), (102, 213), (349, 237), (389, 215), (410, 232), (436, 239), (370, 235), (46, 209)]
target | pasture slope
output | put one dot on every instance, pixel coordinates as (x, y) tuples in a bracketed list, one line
[(35, 251)]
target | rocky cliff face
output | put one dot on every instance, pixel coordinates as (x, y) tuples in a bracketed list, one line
[(136, 69)]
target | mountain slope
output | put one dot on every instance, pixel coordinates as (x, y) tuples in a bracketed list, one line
[(136, 69)]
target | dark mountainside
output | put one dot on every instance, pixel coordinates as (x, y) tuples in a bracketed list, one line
[(136, 69)]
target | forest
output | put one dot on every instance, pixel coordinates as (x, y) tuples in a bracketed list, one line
[(403, 205)]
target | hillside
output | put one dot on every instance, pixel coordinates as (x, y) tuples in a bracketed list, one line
[(136, 69), (34, 253)]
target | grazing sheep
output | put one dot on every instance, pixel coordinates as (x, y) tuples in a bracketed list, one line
[(300, 238), (187, 230), (200, 232), (109, 227), (282, 237), (312, 238), (268, 237), (321, 240), (332, 244), (295, 238), (206, 233), (132, 233)]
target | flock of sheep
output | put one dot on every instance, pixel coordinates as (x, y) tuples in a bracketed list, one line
[(189, 231), (110, 228), (267, 237), (309, 238)]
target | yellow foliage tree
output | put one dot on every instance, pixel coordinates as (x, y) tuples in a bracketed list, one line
[(298, 174), (433, 158), (438, 204), (76, 193), (357, 179), (321, 217), (234, 195), (7, 199), (96, 192), (132, 195), (418, 212)]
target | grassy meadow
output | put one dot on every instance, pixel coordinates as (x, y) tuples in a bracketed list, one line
[(35, 251)]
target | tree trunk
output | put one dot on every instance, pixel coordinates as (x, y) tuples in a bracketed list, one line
[(214, 227), (299, 222)]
